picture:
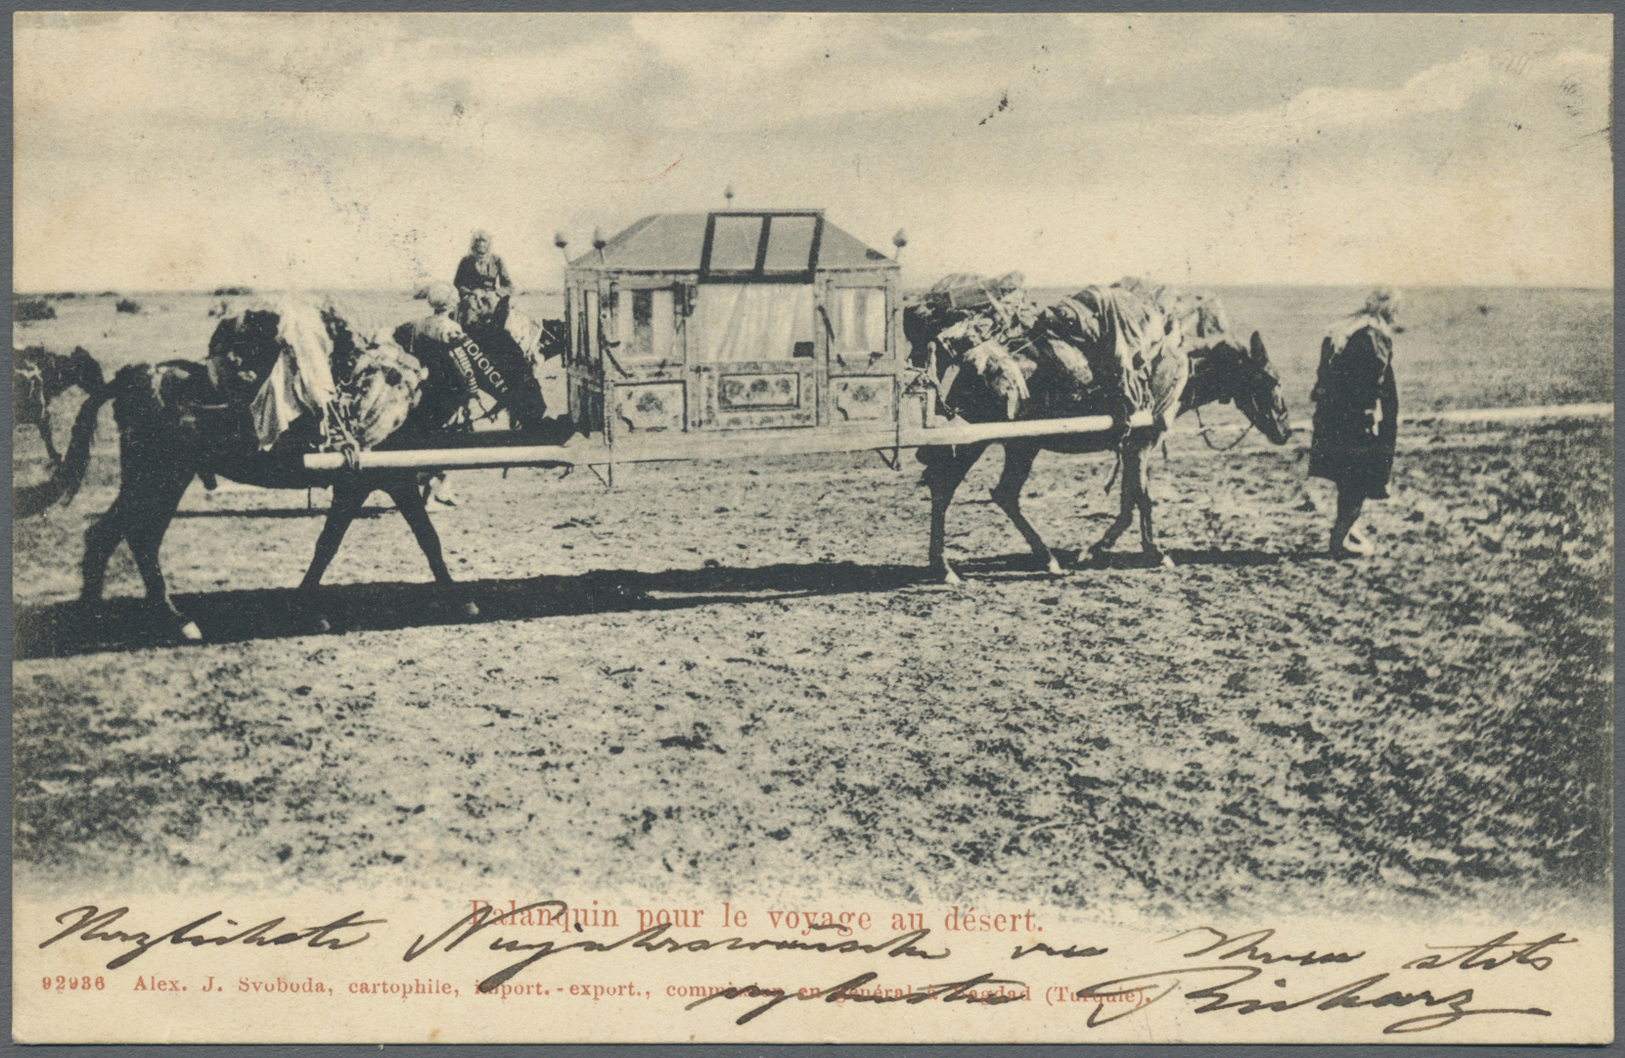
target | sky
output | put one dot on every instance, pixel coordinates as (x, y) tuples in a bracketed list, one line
[(194, 150)]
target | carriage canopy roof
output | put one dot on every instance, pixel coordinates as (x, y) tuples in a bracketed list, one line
[(736, 245)]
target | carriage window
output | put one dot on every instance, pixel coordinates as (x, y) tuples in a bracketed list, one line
[(757, 247), (857, 319), (589, 325), (569, 326), (789, 242), (583, 343), (645, 321), (734, 242), (736, 322)]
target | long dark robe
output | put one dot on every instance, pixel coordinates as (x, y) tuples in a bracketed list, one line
[(1356, 413)]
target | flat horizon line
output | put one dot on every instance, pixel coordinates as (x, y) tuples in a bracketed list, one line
[(61, 294)]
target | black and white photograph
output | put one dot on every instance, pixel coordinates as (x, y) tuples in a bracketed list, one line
[(790, 527)]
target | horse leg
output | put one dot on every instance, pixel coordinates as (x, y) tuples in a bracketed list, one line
[(149, 523), (1018, 464), (1135, 471), (412, 507), (348, 496), (45, 435), (944, 475), (117, 524), (101, 540), (1125, 509)]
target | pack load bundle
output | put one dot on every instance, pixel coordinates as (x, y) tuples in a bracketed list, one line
[(332, 383), (1138, 332), (975, 322), (1197, 318)]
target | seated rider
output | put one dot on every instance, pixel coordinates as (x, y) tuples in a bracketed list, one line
[(460, 366), (482, 281)]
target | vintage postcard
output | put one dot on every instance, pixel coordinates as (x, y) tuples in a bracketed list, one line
[(812, 528)]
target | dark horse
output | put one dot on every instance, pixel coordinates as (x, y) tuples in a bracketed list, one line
[(504, 344), (38, 377), (180, 419), (1221, 370)]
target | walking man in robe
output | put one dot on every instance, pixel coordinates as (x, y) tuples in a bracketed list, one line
[(1356, 416)]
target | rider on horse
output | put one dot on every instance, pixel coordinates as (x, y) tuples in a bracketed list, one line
[(482, 282), (499, 350)]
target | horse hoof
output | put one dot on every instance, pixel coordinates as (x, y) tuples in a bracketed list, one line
[(1167, 562), (468, 609), (320, 626), (1054, 567), (191, 632)]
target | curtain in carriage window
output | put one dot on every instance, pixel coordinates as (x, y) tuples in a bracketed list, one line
[(735, 322), (646, 323), (857, 319)]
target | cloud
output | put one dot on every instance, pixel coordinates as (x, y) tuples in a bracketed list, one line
[(745, 72), (1446, 88), (1131, 143)]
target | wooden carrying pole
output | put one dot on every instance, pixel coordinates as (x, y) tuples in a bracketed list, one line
[(450, 458), (690, 447), (956, 433)]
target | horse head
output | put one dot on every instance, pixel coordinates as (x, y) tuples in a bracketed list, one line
[(1228, 372)]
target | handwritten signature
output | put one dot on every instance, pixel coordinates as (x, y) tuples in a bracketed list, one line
[(652, 940), (993, 992), (92, 922), (1223, 964), (1364, 992)]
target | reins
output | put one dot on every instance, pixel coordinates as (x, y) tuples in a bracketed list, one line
[(1204, 430)]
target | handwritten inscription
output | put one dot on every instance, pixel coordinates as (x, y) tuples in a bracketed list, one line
[(1370, 991), (91, 926), (1247, 946), (1479, 957), (652, 940), (1214, 971), (984, 989)]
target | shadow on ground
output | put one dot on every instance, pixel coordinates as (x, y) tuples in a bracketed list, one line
[(278, 512), (66, 629)]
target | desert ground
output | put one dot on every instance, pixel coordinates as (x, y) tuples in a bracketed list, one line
[(739, 675)]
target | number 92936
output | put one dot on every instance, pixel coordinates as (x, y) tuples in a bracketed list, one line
[(60, 983)]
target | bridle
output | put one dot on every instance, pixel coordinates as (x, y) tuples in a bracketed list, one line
[(1205, 430), (1248, 370)]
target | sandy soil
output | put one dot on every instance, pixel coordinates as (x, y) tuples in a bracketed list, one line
[(737, 675)]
